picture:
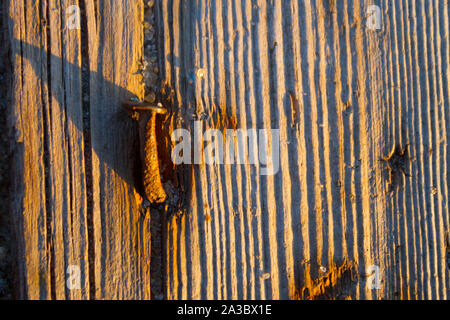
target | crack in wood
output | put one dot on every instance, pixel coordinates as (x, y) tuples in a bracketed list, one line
[(85, 75), (47, 124), (332, 285), (396, 163)]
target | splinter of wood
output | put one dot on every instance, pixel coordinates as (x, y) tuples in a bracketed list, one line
[(145, 114)]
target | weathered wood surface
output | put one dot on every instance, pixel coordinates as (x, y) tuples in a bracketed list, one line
[(342, 96), (74, 198)]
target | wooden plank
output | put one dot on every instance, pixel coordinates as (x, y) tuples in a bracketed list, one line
[(75, 202), (120, 217), (54, 63), (342, 96)]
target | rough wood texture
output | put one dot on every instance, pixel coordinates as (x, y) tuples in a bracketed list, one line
[(342, 96), (74, 196)]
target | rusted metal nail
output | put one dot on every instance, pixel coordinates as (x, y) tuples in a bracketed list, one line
[(132, 106), (145, 114)]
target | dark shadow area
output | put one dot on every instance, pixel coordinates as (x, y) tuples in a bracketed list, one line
[(5, 163)]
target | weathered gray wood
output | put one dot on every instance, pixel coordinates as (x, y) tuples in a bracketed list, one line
[(74, 187), (342, 95), (121, 224)]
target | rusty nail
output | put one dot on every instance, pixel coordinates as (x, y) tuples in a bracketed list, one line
[(146, 117), (133, 106)]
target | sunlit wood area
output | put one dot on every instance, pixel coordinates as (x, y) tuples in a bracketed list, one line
[(348, 198)]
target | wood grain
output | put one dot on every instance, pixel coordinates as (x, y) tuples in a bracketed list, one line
[(75, 201), (328, 214), (342, 96)]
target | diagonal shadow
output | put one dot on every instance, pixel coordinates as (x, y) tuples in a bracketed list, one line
[(113, 134)]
